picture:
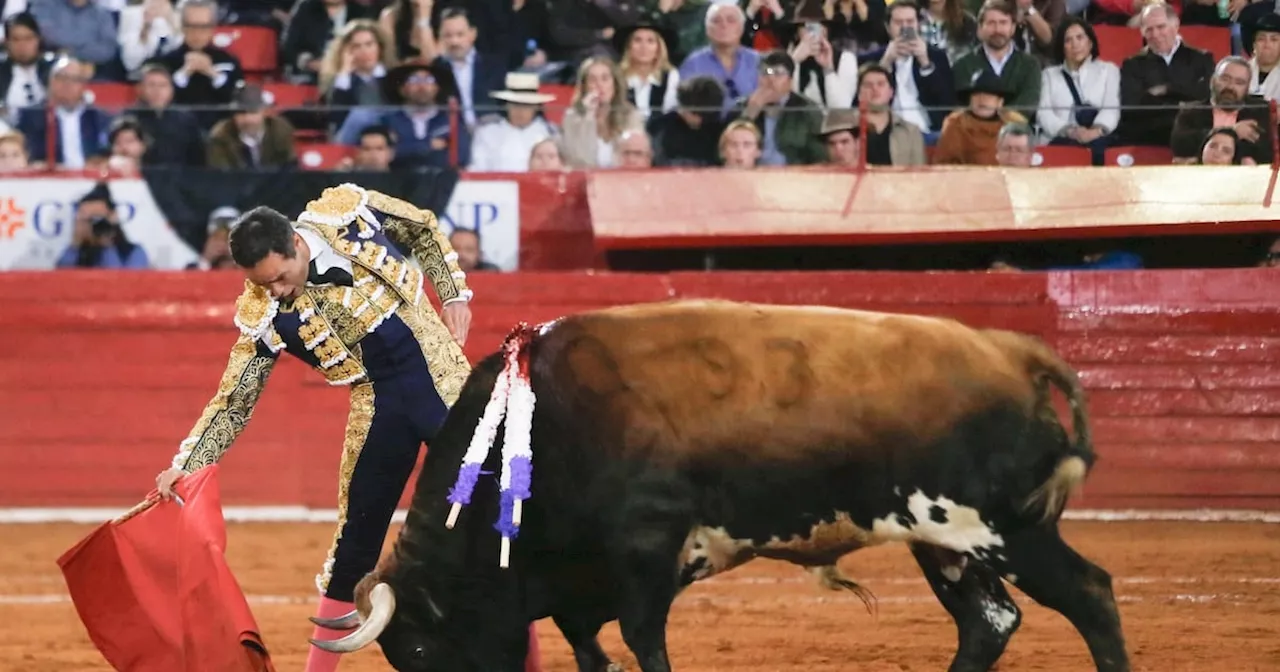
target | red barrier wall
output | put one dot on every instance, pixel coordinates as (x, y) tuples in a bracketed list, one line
[(104, 373)]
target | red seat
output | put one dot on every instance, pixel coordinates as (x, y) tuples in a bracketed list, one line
[(112, 96), (1137, 156), (554, 110), (1116, 43), (255, 46), (291, 96), (1213, 39), (321, 156), (1050, 156)]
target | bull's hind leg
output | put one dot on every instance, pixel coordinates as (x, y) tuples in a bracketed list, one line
[(1043, 566), (986, 617)]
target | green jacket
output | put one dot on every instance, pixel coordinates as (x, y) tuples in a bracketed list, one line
[(796, 134), (1021, 76)]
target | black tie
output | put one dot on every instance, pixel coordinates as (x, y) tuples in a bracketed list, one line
[(332, 276)]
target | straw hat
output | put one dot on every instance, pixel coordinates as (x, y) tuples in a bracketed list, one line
[(522, 88)]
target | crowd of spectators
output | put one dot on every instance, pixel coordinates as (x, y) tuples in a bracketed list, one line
[(407, 83), (430, 83)]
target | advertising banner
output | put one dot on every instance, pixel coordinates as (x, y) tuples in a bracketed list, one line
[(37, 219), (491, 208)]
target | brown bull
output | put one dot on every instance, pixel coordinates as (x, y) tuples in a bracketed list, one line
[(675, 441)]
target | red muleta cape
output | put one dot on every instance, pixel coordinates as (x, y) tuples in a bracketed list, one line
[(154, 591)]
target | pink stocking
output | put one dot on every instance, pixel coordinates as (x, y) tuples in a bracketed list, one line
[(319, 660), (533, 661)]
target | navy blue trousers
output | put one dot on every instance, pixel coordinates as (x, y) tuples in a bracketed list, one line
[(407, 412)]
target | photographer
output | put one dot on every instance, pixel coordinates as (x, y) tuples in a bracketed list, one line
[(98, 241)]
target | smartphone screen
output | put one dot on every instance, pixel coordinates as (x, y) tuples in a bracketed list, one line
[(908, 33)]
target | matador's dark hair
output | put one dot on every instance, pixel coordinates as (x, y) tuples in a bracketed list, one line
[(257, 234)]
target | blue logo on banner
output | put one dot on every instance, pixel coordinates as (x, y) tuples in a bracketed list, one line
[(474, 216), (52, 217)]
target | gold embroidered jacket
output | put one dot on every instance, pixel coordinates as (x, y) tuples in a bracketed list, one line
[(324, 326)]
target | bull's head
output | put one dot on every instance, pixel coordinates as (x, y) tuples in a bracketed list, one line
[(405, 636), (415, 635)]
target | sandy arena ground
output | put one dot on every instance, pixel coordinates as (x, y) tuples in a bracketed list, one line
[(1194, 596)]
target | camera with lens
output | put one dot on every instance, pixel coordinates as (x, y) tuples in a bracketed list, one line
[(102, 227)]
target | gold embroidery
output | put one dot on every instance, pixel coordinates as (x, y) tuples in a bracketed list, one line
[(321, 338), (449, 366), (339, 203), (418, 231), (359, 419), (254, 310), (228, 412), (349, 370)]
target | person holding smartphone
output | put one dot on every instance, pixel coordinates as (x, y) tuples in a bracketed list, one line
[(824, 75), (924, 89)]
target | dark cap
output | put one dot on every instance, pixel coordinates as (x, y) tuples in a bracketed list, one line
[(249, 98)]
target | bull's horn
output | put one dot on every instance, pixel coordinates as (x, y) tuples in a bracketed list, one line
[(347, 622), (383, 602)]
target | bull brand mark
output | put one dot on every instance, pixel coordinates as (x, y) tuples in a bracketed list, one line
[(513, 398)]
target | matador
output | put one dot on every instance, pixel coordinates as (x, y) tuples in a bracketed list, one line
[(342, 290)]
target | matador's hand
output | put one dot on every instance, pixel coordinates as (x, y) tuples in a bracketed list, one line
[(457, 319), (166, 480)]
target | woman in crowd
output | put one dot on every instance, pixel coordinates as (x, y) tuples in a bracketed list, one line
[(352, 73), (1222, 148), (646, 68), (824, 75), (146, 29), (947, 25), (1080, 96), (407, 24), (598, 115)]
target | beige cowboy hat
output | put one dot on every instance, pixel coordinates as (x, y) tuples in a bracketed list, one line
[(522, 89)]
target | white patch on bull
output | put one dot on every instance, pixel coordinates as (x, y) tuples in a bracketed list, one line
[(1000, 617), (1011, 578), (953, 572), (964, 531)]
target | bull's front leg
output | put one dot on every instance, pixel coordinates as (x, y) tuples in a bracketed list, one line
[(985, 616), (653, 523), (587, 652)]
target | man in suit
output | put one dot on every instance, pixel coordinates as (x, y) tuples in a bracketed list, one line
[(203, 75), (1165, 73), (1229, 104), (80, 130), (1018, 71), (477, 75), (924, 90)]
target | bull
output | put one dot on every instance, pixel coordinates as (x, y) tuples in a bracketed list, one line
[(675, 441)]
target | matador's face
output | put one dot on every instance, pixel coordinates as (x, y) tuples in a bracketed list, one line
[(283, 276)]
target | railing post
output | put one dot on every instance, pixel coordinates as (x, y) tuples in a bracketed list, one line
[(454, 136), (862, 135)]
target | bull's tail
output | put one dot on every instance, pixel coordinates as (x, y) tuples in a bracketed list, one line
[(1046, 367)]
